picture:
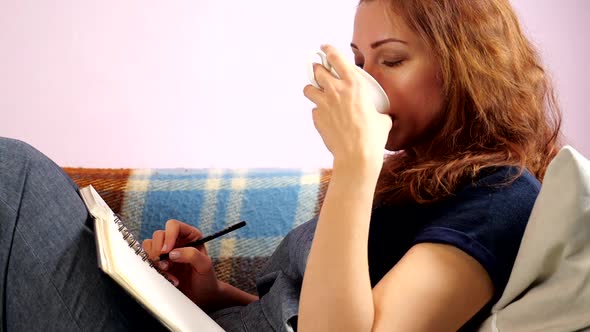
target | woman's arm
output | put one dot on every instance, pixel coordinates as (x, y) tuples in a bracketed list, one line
[(434, 287), (233, 296), (336, 293)]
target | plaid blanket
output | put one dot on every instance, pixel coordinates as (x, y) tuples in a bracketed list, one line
[(271, 201)]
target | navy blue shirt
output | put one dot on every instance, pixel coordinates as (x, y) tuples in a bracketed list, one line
[(486, 219)]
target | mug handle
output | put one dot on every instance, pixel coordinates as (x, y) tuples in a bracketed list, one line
[(324, 63)]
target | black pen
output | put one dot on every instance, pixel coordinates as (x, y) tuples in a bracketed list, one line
[(208, 238)]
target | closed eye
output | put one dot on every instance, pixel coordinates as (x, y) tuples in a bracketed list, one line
[(392, 63), (385, 63)]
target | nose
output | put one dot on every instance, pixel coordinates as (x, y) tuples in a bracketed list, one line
[(371, 70)]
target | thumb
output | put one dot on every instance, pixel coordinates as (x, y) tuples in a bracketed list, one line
[(200, 262)]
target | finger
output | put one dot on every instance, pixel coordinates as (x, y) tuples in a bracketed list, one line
[(179, 233), (158, 242), (337, 60), (189, 233), (163, 265), (314, 94), (147, 247), (323, 77), (315, 118), (172, 279), (200, 262)]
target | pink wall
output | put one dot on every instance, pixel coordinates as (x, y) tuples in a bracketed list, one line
[(560, 31), (206, 83)]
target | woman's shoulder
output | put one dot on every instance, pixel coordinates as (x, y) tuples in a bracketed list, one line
[(502, 183), (486, 219), (496, 205), (504, 194), (502, 174)]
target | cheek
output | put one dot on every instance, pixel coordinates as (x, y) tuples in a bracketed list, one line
[(416, 101), (416, 94)]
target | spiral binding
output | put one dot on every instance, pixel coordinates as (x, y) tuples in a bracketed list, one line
[(132, 241), (135, 245)]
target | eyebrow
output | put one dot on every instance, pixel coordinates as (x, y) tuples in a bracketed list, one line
[(381, 42)]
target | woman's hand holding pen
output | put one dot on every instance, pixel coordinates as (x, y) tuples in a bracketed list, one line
[(190, 269)]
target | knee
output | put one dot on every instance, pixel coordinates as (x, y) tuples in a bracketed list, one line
[(15, 152), (19, 160)]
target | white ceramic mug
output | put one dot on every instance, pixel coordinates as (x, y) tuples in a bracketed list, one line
[(377, 93)]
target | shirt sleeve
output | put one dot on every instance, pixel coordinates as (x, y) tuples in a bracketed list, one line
[(486, 220)]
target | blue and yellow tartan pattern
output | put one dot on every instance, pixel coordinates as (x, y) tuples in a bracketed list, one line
[(271, 201)]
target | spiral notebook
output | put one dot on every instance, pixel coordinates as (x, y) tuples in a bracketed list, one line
[(121, 257)]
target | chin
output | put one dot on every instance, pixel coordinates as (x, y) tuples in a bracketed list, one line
[(394, 146), (396, 142)]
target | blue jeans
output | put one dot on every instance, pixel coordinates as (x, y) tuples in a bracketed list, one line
[(50, 277)]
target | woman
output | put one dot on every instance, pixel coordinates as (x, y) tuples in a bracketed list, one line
[(423, 241)]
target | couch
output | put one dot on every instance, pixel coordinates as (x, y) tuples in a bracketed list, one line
[(271, 201)]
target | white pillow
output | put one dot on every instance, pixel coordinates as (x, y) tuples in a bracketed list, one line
[(549, 287)]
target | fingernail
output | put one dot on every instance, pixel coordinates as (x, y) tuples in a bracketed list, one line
[(171, 280), (174, 254), (164, 247), (163, 265)]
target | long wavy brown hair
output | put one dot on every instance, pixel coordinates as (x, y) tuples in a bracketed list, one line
[(500, 108)]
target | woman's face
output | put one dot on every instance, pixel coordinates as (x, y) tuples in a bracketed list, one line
[(385, 47)]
